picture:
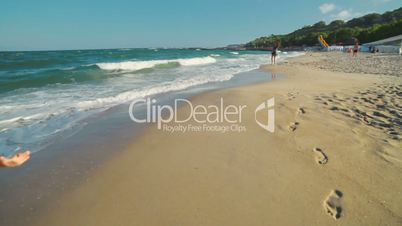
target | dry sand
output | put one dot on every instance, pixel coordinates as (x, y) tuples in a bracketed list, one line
[(334, 159), (367, 63)]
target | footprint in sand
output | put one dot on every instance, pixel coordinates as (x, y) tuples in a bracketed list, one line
[(292, 95), (333, 204), (301, 111), (320, 157), (293, 126)]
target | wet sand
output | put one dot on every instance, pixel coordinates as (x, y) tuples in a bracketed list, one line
[(334, 159)]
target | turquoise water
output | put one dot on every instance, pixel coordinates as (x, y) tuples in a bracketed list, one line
[(45, 93)]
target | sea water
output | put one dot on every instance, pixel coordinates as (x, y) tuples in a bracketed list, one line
[(45, 93)]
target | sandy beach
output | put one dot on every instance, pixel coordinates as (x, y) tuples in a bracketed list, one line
[(334, 159)]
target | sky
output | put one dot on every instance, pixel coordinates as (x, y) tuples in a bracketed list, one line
[(85, 24)]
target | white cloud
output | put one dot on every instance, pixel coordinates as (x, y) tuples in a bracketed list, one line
[(327, 7), (345, 14)]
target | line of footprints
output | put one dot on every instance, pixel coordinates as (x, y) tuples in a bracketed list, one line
[(332, 203)]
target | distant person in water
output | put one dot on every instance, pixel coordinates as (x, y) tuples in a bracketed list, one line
[(274, 53), (16, 160), (356, 48)]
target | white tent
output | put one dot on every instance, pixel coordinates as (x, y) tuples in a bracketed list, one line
[(388, 45)]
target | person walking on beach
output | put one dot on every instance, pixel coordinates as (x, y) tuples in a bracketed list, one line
[(274, 53), (16, 160), (356, 48)]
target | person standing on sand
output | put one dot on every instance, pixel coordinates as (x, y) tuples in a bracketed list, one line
[(274, 53), (16, 160), (356, 48)]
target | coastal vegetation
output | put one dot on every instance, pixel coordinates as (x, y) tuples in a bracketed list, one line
[(368, 28)]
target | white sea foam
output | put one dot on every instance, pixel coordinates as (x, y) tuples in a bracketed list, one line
[(24, 119), (196, 61), (235, 53), (163, 88), (138, 65)]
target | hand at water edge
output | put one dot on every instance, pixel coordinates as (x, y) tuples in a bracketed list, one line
[(16, 160)]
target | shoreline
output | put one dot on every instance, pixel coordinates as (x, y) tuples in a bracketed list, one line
[(67, 164), (255, 177)]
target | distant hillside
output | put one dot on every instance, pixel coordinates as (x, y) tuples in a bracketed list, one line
[(368, 28)]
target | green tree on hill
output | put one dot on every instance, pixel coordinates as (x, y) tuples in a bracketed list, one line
[(368, 28)]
